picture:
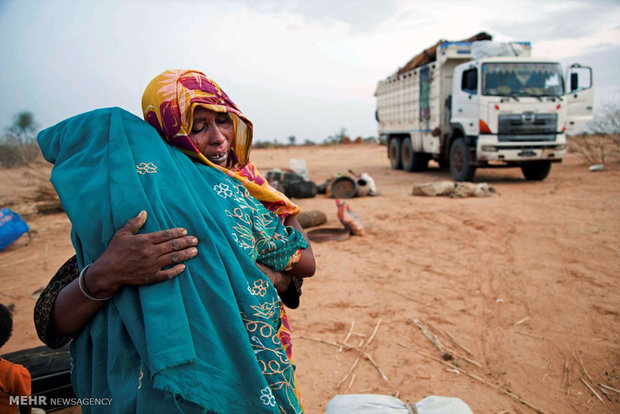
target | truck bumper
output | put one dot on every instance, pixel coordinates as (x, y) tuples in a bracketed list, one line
[(488, 148)]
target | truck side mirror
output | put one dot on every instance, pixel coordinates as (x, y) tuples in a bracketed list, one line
[(580, 77), (574, 81)]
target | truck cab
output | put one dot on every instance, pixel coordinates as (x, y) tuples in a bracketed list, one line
[(515, 111)]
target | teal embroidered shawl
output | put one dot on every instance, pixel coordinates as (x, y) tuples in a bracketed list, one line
[(206, 340)]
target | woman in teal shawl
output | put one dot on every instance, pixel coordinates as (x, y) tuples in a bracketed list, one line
[(207, 340)]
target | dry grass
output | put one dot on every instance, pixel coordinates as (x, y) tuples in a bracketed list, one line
[(596, 149), (32, 192)]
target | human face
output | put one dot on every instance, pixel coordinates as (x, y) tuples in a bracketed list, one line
[(212, 133)]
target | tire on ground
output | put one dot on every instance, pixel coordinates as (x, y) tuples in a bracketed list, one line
[(460, 159), (536, 170), (394, 151), (406, 155), (412, 161)]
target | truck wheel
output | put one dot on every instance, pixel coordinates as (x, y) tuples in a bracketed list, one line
[(536, 170), (412, 161), (460, 167), (395, 149)]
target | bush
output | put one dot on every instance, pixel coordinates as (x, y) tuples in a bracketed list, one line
[(595, 149), (267, 144), (606, 119), (338, 138), (14, 154), (18, 145), (602, 142)]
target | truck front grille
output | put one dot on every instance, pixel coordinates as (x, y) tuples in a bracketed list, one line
[(527, 126)]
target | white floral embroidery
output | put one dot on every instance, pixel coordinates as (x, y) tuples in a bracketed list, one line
[(258, 345), (223, 191), (266, 396), (146, 168)]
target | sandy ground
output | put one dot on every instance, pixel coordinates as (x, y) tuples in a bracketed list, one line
[(526, 281)]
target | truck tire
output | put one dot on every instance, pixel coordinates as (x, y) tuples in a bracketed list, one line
[(460, 159), (536, 170), (406, 155), (395, 150), (412, 161)]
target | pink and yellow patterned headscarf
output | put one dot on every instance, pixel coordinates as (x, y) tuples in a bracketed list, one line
[(168, 105)]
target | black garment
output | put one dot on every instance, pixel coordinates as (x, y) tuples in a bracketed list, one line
[(43, 309)]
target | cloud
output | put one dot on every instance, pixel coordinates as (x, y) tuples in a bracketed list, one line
[(295, 67), (561, 48), (361, 15), (570, 20)]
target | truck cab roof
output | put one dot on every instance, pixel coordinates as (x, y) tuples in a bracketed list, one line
[(514, 59)]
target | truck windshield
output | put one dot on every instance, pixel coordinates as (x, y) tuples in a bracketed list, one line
[(522, 79)]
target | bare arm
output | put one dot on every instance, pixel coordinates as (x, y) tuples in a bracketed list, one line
[(306, 265), (130, 259), (288, 284), (280, 280)]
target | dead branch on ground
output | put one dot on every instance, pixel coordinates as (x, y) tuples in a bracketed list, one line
[(434, 340), (348, 335), (591, 389), (471, 354), (477, 378)]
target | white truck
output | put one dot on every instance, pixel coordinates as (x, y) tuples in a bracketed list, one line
[(482, 104)]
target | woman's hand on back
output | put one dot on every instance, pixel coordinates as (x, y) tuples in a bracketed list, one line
[(140, 259), (280, 280)]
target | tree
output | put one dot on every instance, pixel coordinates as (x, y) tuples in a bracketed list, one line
[(606, 119), (337, 138), (24, 128), (291, 140), (17, 145), (603, 143)]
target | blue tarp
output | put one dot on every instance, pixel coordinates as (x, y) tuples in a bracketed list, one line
[(11, 227)]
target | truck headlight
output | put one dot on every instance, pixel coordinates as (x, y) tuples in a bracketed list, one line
[(489, 148), (560, 147)]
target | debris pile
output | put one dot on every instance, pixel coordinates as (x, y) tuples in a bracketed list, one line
[(454, 189), (349, 185)]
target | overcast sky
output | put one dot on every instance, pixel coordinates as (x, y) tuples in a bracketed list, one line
[(303, 68)]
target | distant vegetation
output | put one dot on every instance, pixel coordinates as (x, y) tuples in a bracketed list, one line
[(340, 137), (601, 142), (18, 143), (606, 119)]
